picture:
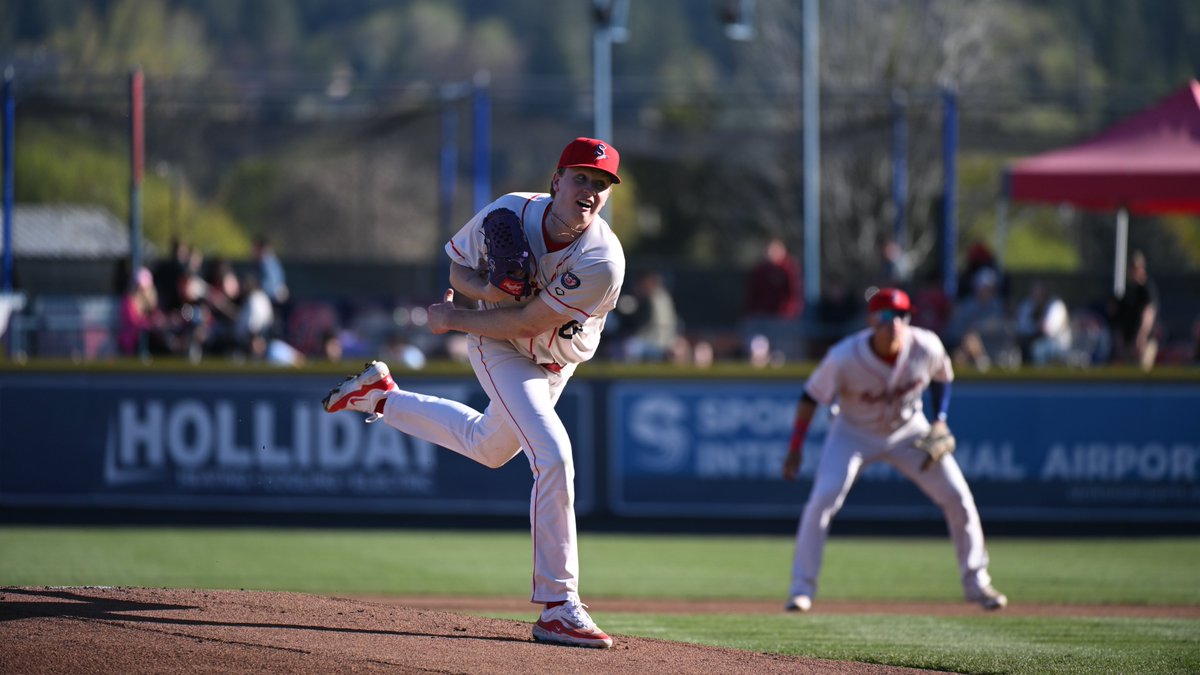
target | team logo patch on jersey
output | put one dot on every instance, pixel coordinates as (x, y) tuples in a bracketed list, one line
[(570, 281)]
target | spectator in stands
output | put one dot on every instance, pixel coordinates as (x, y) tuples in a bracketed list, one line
[(652, 329), (836, 311), (332, 346), (1043, 327), (193, 311), (167, 275), (1091, 335), (1133, 316), (774, 300), (272, 277), (399, 351), (980, 257), (142, 325), (896, 263), (280, 353), (932, 306), (980, 330), (255, 318), (223, 293)]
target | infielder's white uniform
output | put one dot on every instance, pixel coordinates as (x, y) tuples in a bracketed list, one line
[(880, 416), (524, 377)]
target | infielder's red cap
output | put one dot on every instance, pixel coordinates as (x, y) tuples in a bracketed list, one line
[(589, 152), (889, 298)]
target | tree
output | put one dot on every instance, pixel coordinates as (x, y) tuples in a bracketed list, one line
[(871, 50), (146, 33)]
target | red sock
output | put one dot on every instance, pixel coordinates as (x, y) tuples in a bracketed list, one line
[(556, 603), (379, 406)]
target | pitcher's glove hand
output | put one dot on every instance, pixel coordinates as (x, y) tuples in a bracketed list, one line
[(510, 264), (938, 443)]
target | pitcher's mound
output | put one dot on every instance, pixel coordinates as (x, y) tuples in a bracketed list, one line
[(140, 630)]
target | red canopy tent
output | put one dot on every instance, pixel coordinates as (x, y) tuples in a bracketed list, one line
[(1147, 164)]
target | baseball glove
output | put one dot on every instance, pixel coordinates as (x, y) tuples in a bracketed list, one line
[(510, 264), (938, 443)]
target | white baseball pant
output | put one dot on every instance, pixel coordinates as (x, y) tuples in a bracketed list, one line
[(520, 416), (845, 452)]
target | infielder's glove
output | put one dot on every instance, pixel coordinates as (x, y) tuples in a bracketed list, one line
[(510, 264), (938, 443)]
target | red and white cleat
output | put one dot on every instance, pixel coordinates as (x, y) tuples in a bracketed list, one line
[(362, 392), (569, 624)]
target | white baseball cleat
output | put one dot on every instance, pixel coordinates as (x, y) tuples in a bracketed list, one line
[(569, 624), (362, 392), (799, 603), (989, 598)]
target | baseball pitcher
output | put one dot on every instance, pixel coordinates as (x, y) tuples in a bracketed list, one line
[(545, 271)]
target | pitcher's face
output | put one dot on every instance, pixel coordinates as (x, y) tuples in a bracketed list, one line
[(580, 194)]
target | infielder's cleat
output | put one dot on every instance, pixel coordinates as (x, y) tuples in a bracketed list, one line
[(569, 624), (990, 599), (362, 392), (799, 603)]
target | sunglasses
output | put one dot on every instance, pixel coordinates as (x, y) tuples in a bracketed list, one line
[(888, 315)]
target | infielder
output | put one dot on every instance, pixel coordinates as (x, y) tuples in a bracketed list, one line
[(876, 377), (546, 270)]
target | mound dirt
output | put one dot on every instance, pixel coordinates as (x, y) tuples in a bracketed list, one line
[(166, 631)]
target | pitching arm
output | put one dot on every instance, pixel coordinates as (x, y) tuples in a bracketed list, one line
[(504, 323), (475, 285)]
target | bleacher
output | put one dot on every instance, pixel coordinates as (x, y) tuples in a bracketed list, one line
[(79, 327)]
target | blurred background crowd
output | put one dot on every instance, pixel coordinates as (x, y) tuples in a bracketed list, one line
[(305, 162), (191, 306)]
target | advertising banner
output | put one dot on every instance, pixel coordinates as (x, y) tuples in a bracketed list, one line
[(1031, 451), (247, 444)]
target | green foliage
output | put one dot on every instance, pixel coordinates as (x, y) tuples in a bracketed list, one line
[(1033, 248), (168, 212), (1186, 232), (1036, 239), (1072, 64), (246, 191), (61, 165), (162, 40), (1149, 44), (1048, 119)]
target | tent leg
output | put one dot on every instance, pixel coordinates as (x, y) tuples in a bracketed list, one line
[(1122, 253)]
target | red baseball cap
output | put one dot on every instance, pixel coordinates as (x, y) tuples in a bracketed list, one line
[(589, 152), (889, 298)]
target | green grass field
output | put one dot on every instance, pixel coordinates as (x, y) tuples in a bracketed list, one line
[(343, 562)]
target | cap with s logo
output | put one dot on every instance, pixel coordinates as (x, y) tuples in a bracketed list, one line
[(591, 153)]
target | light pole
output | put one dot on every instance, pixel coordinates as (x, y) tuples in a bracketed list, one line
[(812, 156), (610, 18)]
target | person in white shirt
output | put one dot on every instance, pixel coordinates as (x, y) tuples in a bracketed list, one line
[(1043, 327)]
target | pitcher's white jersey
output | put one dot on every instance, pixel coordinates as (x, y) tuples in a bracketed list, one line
[(873, 395), (580, 280)]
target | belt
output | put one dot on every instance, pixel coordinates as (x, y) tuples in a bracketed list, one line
[(552, 367)]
